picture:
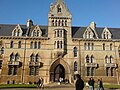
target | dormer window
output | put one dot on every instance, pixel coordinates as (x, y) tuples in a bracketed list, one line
[(106, 34), (17, 31), (36, 31), (88, 34)]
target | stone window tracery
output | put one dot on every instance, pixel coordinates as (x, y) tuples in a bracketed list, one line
[(75, 66), (11, 44), (75, 51)]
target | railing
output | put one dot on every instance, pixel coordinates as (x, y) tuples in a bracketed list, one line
[(91, 65), (34, 64), (111, 65), (14, 63)]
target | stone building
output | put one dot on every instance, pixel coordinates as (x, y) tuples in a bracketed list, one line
[(30, 51)]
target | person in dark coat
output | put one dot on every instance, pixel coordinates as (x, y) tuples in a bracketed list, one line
[(79, 83), (91, 83)]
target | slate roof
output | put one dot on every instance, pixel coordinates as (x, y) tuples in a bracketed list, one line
[(77, 32), (6, 30)]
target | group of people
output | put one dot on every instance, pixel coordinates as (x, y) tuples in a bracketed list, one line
[(99, 84), (80, 83), (40, 83)]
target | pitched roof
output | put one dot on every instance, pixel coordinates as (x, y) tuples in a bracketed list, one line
[(6, 29), (77, 32)]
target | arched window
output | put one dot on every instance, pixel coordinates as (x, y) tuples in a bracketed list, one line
[(55, 45), (56, 23), (59, 23), (88, 46), (31, 45), (62, 23), (65, 22), (58, 8), (61, 44), (19, 44), (11, 44), (107, 71), (86, 36), (89, 34), (52, 22), (75, 51), (107, 35), (2, 50), (18, 33), (12, 57), (58, 44), (104, 35), (58, 33), (32, 58), (39, 45), (31, 70), (38, 33), (75, 66), (110, 46), (35, 45), (103, 46), (17, 57), (92, 59), (92, 46), (106, 59), (111, 58), (55, 34), (37, 58), (34, 33), (15, 33), (85, 46), (87, 59)]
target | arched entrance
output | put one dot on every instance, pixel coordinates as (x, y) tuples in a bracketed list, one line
[(59, 68), (59, 71)]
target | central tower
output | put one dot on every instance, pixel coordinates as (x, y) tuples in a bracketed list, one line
[(59, 26)]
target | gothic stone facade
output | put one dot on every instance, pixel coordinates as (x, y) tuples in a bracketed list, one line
[(58, 50)]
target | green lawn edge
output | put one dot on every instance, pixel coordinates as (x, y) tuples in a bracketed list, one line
[(17, 86)]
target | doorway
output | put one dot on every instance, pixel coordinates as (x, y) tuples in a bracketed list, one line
[(59, 71)]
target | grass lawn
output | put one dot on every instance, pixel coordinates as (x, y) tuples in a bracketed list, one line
[(112, 86), (17, 86)]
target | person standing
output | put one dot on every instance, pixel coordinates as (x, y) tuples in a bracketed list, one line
[(42, 83), (39, 83), (98, 84), (79, 83), (91, 83)]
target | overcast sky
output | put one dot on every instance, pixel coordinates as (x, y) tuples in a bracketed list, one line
[(105, 13)]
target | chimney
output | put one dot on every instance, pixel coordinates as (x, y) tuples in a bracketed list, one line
[(29, 23)]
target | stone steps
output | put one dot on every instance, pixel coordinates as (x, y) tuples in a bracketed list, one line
[(57, 85)]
